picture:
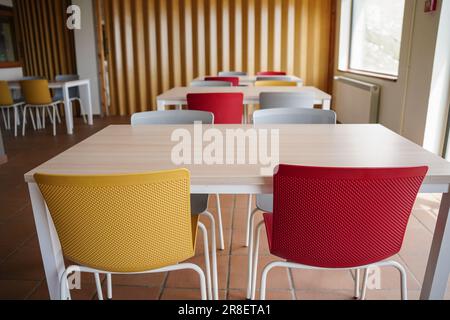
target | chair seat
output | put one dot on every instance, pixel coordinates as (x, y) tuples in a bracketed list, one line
[(264, 202), (268, 220)]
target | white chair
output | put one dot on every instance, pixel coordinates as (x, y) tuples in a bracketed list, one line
[(199, 203), (271, 100), (7, 103), (211, 84), (232, 74), (264, 203)]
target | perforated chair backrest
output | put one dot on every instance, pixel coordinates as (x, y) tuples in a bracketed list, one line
[(269, 83), (172, 117), (227, 107), (271, 73), (122, 223), (211, 84), (6, 98), (36, 92), (342, 217), (234, 80), (73, 92), (271, 100), (232, 74), (294, 116)]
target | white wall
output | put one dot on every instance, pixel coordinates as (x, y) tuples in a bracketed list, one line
[(440, 87), (86, 50), (404, 103), (10, 73)]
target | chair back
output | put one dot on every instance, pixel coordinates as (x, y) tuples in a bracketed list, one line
[(6, 98), (232, 74), (36, 92), (271, 73), (211, 84), (227, 107), (172, 117), (273, 78), (268, 83), (199, 202), (271, 100), (234, 80), (294, 116), (122, 223), (342, 217)]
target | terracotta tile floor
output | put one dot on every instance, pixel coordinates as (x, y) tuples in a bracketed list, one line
[(22, 274)]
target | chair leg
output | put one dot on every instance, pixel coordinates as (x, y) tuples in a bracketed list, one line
[(4, 119), (249, 214), (202, 227), (32, 120), (364, 284), (403, 279), (213, 253), (24, 122), (98, 285), (16, 120), (255, 259), (109, 291), (265, 273), (357, 292), (43, 117), (219, 217), (9, 118), (250, 253), (54, 122), (83, 112)]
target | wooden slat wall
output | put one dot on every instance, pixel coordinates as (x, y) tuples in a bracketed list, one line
[(155, 45), (46, 44)]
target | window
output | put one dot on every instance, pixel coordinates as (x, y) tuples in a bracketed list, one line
[(371, 33), (8, 51)]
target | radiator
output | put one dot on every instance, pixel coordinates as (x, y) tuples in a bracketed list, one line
[(355, 101)]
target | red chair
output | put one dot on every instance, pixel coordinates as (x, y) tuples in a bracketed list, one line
[(234, 80), (339, 218), (226, 107), (271, 73)]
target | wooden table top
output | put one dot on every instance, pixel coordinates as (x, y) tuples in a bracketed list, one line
[(127, 149)]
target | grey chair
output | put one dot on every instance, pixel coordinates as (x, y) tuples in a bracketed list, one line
[(264, 203), (273, 78), (211, 84), (271, 100), (232, 74), (74, 93)]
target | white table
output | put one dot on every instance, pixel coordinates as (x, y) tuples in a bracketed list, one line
[(250, 80), (178, 96), (85, 94), (126, 149)]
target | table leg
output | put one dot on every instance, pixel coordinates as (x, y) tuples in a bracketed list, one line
[(68, 110), (438, 267), (48, 242), (88, 103), (326, 104)]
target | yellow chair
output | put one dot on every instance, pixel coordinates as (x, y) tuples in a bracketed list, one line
[(124, 224), (271, 83), (37, 95), (6, 104)]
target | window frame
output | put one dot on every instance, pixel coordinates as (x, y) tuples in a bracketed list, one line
[(7, 14), (345, 45)]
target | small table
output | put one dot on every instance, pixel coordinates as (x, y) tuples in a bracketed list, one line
[(250, 80), (85, 84), (178, 96)]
